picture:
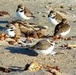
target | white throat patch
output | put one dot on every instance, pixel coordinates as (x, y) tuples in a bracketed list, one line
[(53, 21), (22, 15)]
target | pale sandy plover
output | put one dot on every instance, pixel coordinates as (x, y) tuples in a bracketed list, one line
[(44, 46), (54, 17), (10, 32), (23, 12), (62, 29)]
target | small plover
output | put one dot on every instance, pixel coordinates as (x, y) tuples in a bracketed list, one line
[(54, 17), (61, 29), (23, 13), (44, 47), (10, 32)]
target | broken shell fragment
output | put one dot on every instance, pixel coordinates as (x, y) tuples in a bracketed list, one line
[(34, 66)]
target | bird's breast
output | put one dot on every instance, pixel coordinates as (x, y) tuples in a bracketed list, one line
[(53, 21), (22, 15)]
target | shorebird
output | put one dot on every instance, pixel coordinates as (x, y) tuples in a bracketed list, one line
[(61, 29), (23, 12), (54, 17), (44, 46), (10, 32)]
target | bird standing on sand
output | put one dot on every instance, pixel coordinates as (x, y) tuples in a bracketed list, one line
[(23, 12), (44, 47), (54, 17), (61, 29)]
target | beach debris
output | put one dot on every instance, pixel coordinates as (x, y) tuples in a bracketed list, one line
[(73, 37), (65, 46), (68, 46), (6, 70), (70, 8), (71, 45), (49, 2), (34, 66), (2, 13), (61, 7), (43, 16), (3, 36), (11, 42), (28, 29), (48, 8), (14, 40), (34, 34), (55, 72), (68, 38)]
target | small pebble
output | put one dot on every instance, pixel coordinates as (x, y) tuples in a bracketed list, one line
[(43, 16), (49, 3), (61, 7)]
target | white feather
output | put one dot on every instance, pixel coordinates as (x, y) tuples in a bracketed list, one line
[(53, 21), (10, 33), (22, 15)]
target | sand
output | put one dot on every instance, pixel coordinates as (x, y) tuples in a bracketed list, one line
[(17, 57)]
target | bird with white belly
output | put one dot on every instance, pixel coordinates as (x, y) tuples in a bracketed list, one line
[(54, 17), (61, 29), (23, 12), (44, 46)]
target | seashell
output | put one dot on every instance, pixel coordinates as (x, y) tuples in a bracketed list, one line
[(34, 66)]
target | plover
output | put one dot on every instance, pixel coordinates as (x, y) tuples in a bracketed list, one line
[(23, 12), (10, 32), (62, 29), (54, 17), (44, 46)]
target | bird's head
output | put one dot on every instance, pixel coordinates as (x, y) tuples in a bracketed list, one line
[(20, 8), (52, 14)]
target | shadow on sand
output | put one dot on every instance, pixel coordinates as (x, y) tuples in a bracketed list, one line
[(16, 68), (22, 51), (3, 22), (2, 28)]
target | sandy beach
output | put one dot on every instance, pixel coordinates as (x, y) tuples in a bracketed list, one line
[(16, 57)]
